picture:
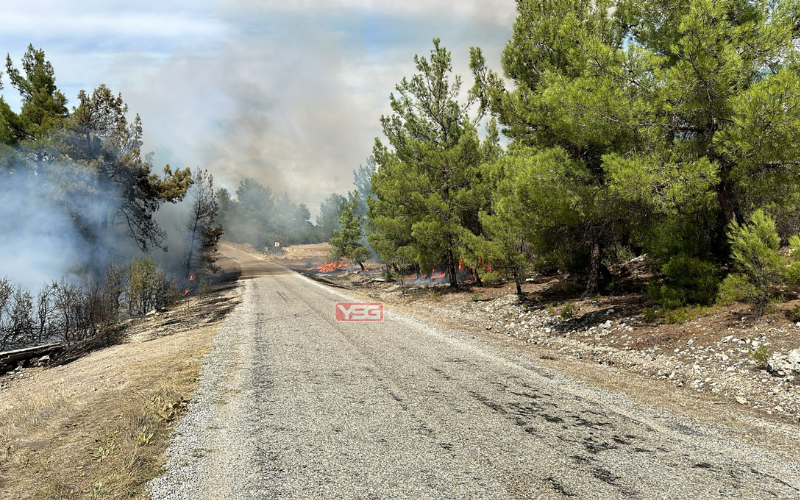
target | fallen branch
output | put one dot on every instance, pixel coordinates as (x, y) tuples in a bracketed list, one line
[(9, 358)]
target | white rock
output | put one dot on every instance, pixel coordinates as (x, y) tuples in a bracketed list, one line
[(784, 364)]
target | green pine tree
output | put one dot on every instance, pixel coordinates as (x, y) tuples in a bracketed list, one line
[(424, 185), (347, 242), (576, 102)]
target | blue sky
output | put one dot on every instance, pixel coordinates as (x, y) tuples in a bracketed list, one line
[(288, 92)]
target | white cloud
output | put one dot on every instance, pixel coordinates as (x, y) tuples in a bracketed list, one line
[(500, 12), (116, 24)]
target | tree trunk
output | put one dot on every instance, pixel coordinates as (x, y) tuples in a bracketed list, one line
[(451, 268), (362, 266), (518, 281), (594, 270), (418, 271), (477, 277), (726, 201)]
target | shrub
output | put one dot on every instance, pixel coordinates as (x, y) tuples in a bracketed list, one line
[(569, 310), (689, 280), (794, 314), (793, 272), (737, 288), (678, 315), (491, 277), (685, 313), (668, 297), (147, 286), (761, 354), (759, 265)]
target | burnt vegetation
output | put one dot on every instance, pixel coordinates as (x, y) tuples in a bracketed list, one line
[(70, 313)]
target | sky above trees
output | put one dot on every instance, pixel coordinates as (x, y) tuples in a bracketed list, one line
[(287, 92)]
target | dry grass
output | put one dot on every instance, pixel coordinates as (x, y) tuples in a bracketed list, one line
[(97, 427)]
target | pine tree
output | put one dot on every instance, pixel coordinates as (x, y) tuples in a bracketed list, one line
[(44, 107), (103, 149), (328, 218), (202, 232), (424, 185), (347, 242), (576, 101)]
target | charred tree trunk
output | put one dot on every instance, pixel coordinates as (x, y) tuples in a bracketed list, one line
[(592, 284), (477, 277), (362, 266), (518, 281), (451, 269), (418, 271)]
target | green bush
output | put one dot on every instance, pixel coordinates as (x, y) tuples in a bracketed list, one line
[(793, 272), (568, 311), (148, 287), (491, 277), (688, 280), (668, 297), (650, 315), (794, 314), (678, 315), (759, 266), (685, 313), (761, 354), (737, 288)]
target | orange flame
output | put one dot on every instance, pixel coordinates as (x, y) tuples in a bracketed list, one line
[(186, 292), (328, 267), (191, 277), (460, 265)]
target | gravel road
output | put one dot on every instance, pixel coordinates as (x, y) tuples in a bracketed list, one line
[(293, 404)]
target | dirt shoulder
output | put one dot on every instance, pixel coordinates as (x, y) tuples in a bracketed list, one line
[(97, 427)]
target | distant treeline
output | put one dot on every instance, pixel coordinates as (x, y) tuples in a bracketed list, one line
[(258, 217)]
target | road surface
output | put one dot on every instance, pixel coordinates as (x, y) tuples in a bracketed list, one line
[(293, 404)]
